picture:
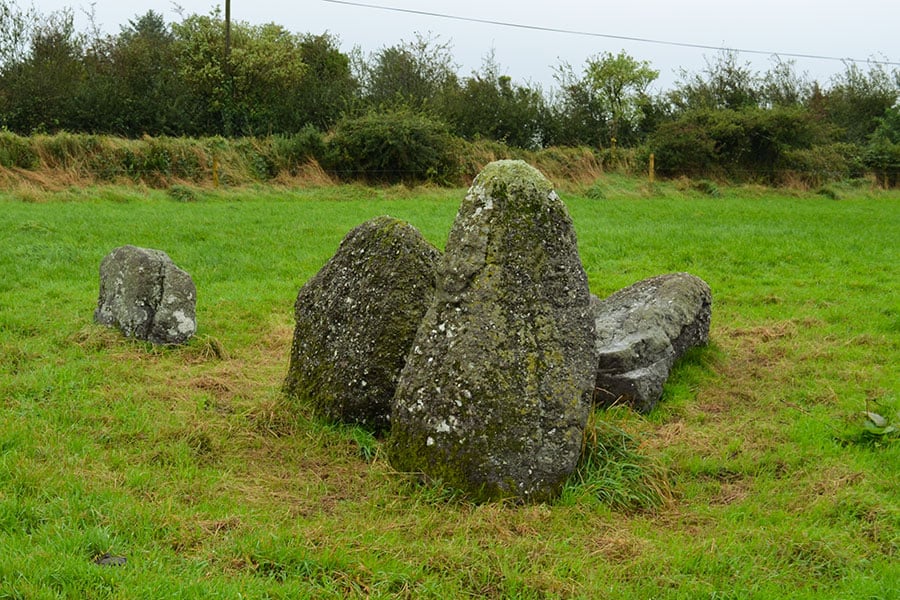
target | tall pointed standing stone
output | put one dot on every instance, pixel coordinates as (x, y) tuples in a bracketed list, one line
[(496, 390)]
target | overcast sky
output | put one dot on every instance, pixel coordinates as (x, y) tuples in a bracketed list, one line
[(863, 29)]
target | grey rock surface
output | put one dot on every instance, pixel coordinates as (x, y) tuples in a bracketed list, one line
[(641, 331), (495, 394), (145, 295), (355, 322)]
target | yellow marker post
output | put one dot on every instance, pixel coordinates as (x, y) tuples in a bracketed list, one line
[(652, 168)]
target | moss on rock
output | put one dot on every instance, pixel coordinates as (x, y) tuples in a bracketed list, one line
[(495, 393), (355, 321)]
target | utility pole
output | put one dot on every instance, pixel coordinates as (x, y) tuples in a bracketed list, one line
[(227, 30), (228, 112)]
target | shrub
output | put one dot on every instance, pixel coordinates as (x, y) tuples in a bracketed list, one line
[(65, 150), (182, 193), (16, 152), (705, 186), (392, 147), (746, 144), (883, 158), (882, 154), (818, 165), (291, 151), (258, 157), (597, 191)]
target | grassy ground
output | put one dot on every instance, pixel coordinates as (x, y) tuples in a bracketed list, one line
[(188, 463)]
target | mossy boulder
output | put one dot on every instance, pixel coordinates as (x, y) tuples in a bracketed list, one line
[(355, 322), (496, 391), (642, 330), (147, 296)]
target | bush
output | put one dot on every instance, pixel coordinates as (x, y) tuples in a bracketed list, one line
[(683, 148), (883, 158), (821, 164), (707, 187), (882, 154), (65, 150), (747, 144), (16, 152), (392, 147), (291, 151)]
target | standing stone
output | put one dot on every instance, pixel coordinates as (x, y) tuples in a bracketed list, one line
[(145, 295), (642, 330), (355, 322), (496, 391)]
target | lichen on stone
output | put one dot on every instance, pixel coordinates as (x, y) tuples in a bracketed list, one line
[(355, 321), (494, 396)]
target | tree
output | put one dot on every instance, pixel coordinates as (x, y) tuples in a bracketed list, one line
[(607, 104), (746, 144), (620, 83), (39, 86), (578, 117), (782, 86), (414, 74), (245, 94), (490, 105), (328, 87), (137, 81), (857, 100), (723, 84), (16, 27), (882, 153)]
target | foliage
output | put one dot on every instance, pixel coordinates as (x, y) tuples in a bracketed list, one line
[(38, 90), (161, 79), (606, 106), (16, 151), (821, 163), (878, 426), (328, 88), (783, 86), (882, 153), (147, 94), (411, 74), (489, 105), (161, 161), (857, 99), (723, 85), (395, 146), (16, 26), (742, 144), (245, 91), (875, 427), (620, 82), (291, 151)]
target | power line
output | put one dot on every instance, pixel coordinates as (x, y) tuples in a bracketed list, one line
[(611, 36)]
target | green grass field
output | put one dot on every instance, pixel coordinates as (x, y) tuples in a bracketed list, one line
[(189, 463)]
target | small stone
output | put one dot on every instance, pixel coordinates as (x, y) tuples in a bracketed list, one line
[(145, 295), (108, 560)]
